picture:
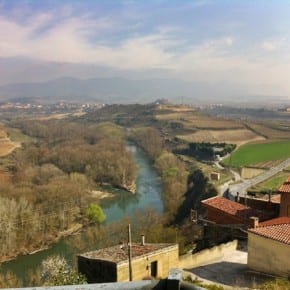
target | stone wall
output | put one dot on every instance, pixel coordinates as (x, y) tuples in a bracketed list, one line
[(206, 256), (97, 271), (268, 256), (141, 266)]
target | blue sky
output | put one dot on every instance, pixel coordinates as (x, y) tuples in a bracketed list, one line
[(240, 43)]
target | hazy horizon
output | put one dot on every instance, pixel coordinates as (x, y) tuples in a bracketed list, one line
[(220, 48)]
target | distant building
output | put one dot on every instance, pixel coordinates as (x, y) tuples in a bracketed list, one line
[(284, 190), (214, 176), (220, 210), (112, 264), (269, 247)]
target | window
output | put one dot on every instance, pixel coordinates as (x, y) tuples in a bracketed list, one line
[(153, 267)]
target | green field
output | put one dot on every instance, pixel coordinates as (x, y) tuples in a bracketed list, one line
[(17, 136), (271, 184), (251, 154)]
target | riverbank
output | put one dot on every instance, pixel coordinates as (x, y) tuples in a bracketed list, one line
[(101, 194), (56, 237), (121, 204), (52, 239)]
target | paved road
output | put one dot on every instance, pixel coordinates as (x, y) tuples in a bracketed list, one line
[(245, 184)]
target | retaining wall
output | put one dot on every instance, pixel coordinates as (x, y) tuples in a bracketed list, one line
[(206, 256)]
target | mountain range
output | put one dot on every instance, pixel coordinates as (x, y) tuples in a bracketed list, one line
[(123, 90)]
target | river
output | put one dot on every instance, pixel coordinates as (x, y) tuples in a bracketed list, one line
[(148, 195)]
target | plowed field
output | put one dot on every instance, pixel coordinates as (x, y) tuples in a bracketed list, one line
[(238, 136)]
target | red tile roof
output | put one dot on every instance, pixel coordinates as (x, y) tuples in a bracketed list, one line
[(118, 254), (231, 207), (285, 187), (276, 221), (280, 233)]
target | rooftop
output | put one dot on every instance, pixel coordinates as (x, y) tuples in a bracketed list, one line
[(276, 221), (285, 187), (280, 232), (232, 207), (119, 253)]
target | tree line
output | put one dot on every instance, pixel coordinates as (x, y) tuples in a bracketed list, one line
[(53, 176), (183, 186)]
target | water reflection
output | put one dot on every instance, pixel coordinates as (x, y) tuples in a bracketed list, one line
[(122, 205)]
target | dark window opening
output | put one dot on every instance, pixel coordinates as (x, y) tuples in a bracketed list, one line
[(153, 269)]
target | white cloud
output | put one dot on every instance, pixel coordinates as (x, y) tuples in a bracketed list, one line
[(69, 41), (82, 39), (274, 45), (269, 46)]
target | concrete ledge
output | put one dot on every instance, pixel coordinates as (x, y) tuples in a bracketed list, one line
[(146, 284)]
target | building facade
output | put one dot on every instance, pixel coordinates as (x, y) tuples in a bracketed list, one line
[(112, 264), (269, 247), (284, 190), (220, 210)]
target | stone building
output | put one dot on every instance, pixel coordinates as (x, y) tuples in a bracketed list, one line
[(112, 264), (269, 247), (214, 176)]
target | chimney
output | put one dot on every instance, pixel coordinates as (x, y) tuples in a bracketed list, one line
[(142, 240), (238, 197), (254, 222), (122, 244)]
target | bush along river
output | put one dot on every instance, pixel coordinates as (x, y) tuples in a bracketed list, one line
[(148, 195)]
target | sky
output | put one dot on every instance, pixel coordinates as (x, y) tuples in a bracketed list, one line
[(242, 44)]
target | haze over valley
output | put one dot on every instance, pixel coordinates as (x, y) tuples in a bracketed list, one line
[(166, 120), (195, 51)]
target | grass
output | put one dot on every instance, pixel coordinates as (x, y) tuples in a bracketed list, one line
[(278, 284), (16, 135), (251, 154), (272, 183)]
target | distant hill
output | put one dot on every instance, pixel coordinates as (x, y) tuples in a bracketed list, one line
[(109, 90), (122, 90)]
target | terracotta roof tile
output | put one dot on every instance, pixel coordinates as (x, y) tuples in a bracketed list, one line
[(119, 253), (232, 207), (285, 187), (276, 221), (280, 233)]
